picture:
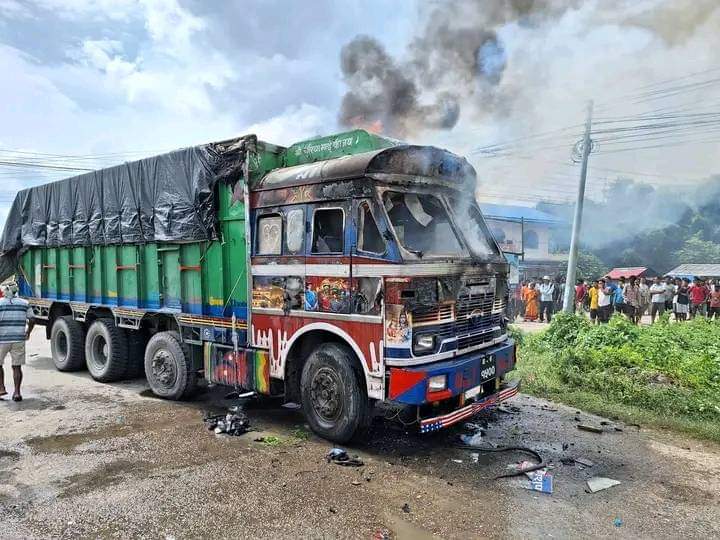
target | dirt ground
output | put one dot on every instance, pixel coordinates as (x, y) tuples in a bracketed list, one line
[(79, 459)]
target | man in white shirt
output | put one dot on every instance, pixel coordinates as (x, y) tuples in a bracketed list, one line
[(604, 301), (658, 293), (546, 289)]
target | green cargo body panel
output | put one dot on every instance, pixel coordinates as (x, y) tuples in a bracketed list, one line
[(203, 278)]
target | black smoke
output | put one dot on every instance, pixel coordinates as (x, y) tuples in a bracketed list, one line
[(455, 65)]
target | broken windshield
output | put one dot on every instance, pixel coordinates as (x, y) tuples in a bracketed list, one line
[(469, 220), (422, 224)]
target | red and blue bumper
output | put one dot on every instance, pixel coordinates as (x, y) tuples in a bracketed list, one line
[(471, 385)]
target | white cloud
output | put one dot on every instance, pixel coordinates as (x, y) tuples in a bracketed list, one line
[(295, 124)]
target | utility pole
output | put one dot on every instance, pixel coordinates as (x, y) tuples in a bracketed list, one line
[(569, 299)]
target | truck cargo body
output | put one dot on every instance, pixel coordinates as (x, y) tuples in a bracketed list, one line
[(342, 271)]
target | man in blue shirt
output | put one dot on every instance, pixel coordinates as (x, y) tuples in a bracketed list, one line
[(618, 297)]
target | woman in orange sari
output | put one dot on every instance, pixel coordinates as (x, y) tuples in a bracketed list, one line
[(531, 303)]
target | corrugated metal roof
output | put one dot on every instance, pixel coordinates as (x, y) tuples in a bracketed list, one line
[(627, 271), (700, 270), (518, 213)]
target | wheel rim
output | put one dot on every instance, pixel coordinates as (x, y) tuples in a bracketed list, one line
[(100, 351), (326, 394), (61, 346), (163, 368)]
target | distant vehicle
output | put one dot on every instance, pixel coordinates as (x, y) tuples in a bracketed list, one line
[(337, 272)]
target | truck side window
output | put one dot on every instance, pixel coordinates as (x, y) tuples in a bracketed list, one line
[(327, 234), (295, 230), (369, 238), (269, 235)]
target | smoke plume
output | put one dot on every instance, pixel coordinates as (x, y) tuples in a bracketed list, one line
[(455, 65)]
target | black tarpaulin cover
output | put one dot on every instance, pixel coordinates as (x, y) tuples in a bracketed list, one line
[(169, 197)]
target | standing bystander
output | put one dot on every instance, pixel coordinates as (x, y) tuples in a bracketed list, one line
[(16, 323), (657, 299)]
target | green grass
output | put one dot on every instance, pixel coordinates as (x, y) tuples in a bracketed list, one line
[(665, 376)]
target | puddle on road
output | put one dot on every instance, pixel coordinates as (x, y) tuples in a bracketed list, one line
[(107, 475), (66, 443)]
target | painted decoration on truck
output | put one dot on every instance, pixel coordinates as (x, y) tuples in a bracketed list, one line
[(397, 325), (248, 369), (278, 334), (277, 292), (327, 294)]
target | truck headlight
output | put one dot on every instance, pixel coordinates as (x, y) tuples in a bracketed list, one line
[(424, 344), (437, 383)]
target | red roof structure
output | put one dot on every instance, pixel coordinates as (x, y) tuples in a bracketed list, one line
[(629, 271)]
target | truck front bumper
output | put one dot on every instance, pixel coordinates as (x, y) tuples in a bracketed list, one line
[(445, 420)]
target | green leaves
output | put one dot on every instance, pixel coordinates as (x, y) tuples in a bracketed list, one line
[(667, 368)]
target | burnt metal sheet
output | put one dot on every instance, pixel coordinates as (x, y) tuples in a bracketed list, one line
[(404, 162)]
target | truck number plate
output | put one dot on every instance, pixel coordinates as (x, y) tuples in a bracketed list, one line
[(487, 367)]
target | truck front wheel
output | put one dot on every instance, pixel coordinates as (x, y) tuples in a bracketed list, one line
[(67, 344), (106, 351), (334, 399), (168, 367)]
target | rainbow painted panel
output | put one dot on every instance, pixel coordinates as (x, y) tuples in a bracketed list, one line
[(248, 369)]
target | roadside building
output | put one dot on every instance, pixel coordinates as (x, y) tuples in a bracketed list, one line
[(690, 271), (529, 234), (629, 271)]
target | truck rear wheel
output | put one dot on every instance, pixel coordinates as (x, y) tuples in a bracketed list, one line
[(168, 367), (67, 344), (137, 341), (333, 397), (106, 351)]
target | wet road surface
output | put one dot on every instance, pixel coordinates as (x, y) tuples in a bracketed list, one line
[(80, 459)]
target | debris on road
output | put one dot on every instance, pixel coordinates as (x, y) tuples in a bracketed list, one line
[(591, 428), (472, 440), (234, 423), (618, 522), (341, 457), (599, 483), (406, 508), (584, 462), (540, 480)]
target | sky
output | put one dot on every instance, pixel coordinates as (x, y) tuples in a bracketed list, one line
[(104, 81)]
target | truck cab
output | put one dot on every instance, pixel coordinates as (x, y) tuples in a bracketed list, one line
[(375, 278)]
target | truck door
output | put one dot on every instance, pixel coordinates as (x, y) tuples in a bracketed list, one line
[(328, 262)]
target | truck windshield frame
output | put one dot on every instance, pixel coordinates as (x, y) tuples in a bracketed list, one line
[(413, 207)]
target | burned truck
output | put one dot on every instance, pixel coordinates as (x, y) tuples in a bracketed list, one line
[(335, 273)]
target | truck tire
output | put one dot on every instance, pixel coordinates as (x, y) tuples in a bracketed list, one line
[(137, 341), (169, 368), (333, 397), (106, 351), (67, 344)]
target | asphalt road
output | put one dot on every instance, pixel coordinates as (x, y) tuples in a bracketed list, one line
[(80, 459)]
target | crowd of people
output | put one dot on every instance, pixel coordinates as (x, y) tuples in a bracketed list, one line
[(633, 297)]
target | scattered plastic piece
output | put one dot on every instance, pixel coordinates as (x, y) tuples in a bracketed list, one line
[(457, 460), (618, 522), (599, 483), (588, 427), (540, 480), (475, 457)]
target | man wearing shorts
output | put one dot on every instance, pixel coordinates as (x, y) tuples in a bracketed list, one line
[(15, 325)]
